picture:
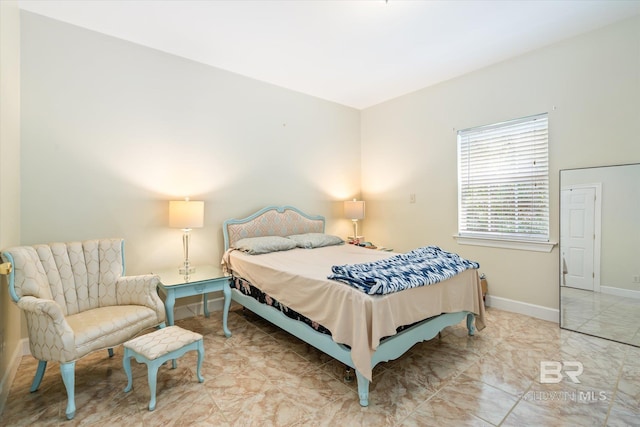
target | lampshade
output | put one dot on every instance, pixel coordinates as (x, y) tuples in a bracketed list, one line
[(354, 209), (186, 214)]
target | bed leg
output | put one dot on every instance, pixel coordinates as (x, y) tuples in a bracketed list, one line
[(348, 374), (363, 389), (471, 323)]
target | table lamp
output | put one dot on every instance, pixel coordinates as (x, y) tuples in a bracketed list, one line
[(354, 210), (186, 214)]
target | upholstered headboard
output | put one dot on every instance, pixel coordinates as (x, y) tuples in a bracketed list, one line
[(271, 221)]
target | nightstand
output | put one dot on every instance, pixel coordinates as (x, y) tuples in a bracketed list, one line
[(207, 278)]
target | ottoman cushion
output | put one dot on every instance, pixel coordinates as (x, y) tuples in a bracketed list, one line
[(162, 341)]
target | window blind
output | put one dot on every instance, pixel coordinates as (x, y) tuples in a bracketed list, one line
[(503, 179)]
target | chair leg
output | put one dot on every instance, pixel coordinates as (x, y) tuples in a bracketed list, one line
[(68, 377), (37, 379)]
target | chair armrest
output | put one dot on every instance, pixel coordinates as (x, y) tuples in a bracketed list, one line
[(141, 290), (46, 321)]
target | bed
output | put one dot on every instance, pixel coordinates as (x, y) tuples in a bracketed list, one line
[(290, 288)]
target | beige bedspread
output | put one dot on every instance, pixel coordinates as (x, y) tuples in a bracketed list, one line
[(298, 279)]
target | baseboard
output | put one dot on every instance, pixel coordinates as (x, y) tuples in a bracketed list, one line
[(537, 311), (10, 374), (627, 293)]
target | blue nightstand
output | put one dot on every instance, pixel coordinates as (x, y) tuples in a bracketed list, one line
[(207, 278)]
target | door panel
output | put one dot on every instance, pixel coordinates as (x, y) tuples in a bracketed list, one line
[(577, 237)]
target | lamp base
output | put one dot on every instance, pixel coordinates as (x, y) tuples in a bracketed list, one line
[(186, 270)]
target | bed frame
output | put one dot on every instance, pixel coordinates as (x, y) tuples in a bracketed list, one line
[(287, 220)]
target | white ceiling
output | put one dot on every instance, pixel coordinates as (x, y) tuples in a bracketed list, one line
[(356, 53)]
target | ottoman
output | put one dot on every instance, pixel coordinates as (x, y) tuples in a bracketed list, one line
[(156, 348)]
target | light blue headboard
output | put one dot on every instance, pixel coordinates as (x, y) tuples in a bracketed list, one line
[(271, 221)]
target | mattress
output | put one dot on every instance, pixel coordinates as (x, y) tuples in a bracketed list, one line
[(249, 290)]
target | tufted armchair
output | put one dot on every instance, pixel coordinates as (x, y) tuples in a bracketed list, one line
[(77, 300)]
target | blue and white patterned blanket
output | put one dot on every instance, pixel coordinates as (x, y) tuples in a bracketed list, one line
[(422, 266)]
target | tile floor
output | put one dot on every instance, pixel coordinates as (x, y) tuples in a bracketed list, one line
[(602, 315), (262, 376)]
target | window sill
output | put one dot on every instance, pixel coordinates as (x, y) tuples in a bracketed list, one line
[(522, 245)]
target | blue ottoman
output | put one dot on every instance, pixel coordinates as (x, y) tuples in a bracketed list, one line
[(156, 348)]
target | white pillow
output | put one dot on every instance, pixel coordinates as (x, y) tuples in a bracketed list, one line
[(264, 245), (315, 240)]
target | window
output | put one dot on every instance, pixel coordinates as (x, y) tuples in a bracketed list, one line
[(503, 181)]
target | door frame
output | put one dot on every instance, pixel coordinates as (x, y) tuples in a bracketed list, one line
[(597, 229)]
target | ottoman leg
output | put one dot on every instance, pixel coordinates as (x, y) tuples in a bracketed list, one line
[(200, 357), (126, 363), (152, 369)]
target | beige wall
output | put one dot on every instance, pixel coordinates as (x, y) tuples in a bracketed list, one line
[(10, 317), (112, 130), (589, 85)]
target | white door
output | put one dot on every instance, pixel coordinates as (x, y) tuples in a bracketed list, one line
[(577, 237)]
